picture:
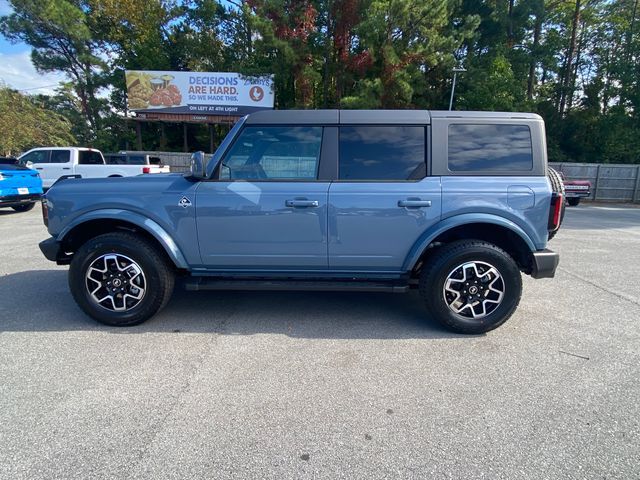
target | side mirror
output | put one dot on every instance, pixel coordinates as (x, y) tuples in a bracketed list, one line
[(198, 166)]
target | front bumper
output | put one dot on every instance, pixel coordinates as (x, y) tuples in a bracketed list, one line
[(15, 200), (50, 249), (545, 263)]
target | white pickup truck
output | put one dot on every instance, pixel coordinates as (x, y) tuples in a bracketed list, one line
[(54, 163)]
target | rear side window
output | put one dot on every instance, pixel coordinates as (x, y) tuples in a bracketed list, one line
[(60, 156), (267, 153), (490, 148), (136, 160), (90, 157), (39, 156), (382, 152), (115, 159)]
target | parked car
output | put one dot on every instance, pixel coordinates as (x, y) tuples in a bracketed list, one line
[(20, 187), (131, 158), (575, 189), (454, 204), (55, 163)]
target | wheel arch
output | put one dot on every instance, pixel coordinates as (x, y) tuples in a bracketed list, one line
[(491, 228), (99, 222)]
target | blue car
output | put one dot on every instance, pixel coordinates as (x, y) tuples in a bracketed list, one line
[(20, 187)]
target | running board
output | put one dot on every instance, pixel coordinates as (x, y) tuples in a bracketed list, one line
[(196, 284)]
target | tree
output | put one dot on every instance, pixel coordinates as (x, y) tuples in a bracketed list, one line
[(61, 40), (26, 123), (403, 40)]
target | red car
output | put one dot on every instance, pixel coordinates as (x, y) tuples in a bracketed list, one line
[(575, 190)]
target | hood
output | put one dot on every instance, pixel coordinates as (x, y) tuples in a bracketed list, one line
[(136, 185)]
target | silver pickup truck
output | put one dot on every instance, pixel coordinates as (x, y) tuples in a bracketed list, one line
[(453, 205)]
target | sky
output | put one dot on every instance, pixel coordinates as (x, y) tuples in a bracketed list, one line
[(16, 69)]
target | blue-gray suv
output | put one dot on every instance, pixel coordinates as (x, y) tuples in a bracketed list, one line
[(453, 204)]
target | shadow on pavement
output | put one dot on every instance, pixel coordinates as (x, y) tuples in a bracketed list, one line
[(40, 300)]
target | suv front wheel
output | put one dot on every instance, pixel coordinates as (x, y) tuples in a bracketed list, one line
[(120, 279), (471, 286)]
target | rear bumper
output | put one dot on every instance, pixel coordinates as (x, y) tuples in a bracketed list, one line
[(579, 194), (50, 248), (545, 263), (15, 200)]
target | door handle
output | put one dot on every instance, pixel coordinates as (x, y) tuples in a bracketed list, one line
[(66, 168), (38, 168), (414, 203), (301, 203)]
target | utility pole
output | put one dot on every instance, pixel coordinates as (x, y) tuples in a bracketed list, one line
[(455, 71)]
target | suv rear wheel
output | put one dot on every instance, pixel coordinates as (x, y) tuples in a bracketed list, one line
[(120, 279), (471, 286)]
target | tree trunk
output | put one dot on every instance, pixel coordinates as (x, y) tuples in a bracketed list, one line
[(327, 61), (510, 25), (566, 80), (574, 72), (534, 55)]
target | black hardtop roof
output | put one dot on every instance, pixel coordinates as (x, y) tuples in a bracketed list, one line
[(403, 117)]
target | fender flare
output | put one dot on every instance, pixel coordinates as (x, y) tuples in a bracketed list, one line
[(145, 223), (452, 222)]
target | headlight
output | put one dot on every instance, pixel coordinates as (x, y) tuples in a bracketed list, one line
[(1, 177)]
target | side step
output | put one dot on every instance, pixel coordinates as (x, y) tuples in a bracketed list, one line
[(196, 284)]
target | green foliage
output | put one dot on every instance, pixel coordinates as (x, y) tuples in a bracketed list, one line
[(25, 123), (575, 62)]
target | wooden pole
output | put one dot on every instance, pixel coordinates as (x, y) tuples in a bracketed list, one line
[(185, 131), (163, 137), (138, 135)]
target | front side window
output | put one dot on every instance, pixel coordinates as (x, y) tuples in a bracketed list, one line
[(39, 156), (274, 153), (382, 153), (60, 156), (491, 148)]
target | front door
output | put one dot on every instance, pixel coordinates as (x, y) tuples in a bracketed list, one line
[(267, 210), (383, 200)]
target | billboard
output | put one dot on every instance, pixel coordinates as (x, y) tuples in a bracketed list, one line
[(197, 93)]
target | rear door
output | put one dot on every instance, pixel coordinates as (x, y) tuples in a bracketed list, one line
[(267, 209), (383, 199), (91, 164)]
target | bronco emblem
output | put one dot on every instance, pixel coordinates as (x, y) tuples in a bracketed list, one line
[(184, 202)]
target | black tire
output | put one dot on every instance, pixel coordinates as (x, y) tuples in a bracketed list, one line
[(24, 208), (557, 186), (158, 277), (573, 201), (444, 262)]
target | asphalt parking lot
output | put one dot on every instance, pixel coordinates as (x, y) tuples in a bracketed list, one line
[(306, 385)]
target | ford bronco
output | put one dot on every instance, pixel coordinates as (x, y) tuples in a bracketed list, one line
[(456, 205)]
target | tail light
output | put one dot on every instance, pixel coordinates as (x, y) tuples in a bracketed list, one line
[(146, 169), (555, 213), (45, 212)]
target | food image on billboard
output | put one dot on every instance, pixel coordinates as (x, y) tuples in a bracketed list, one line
[(208, 93)]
